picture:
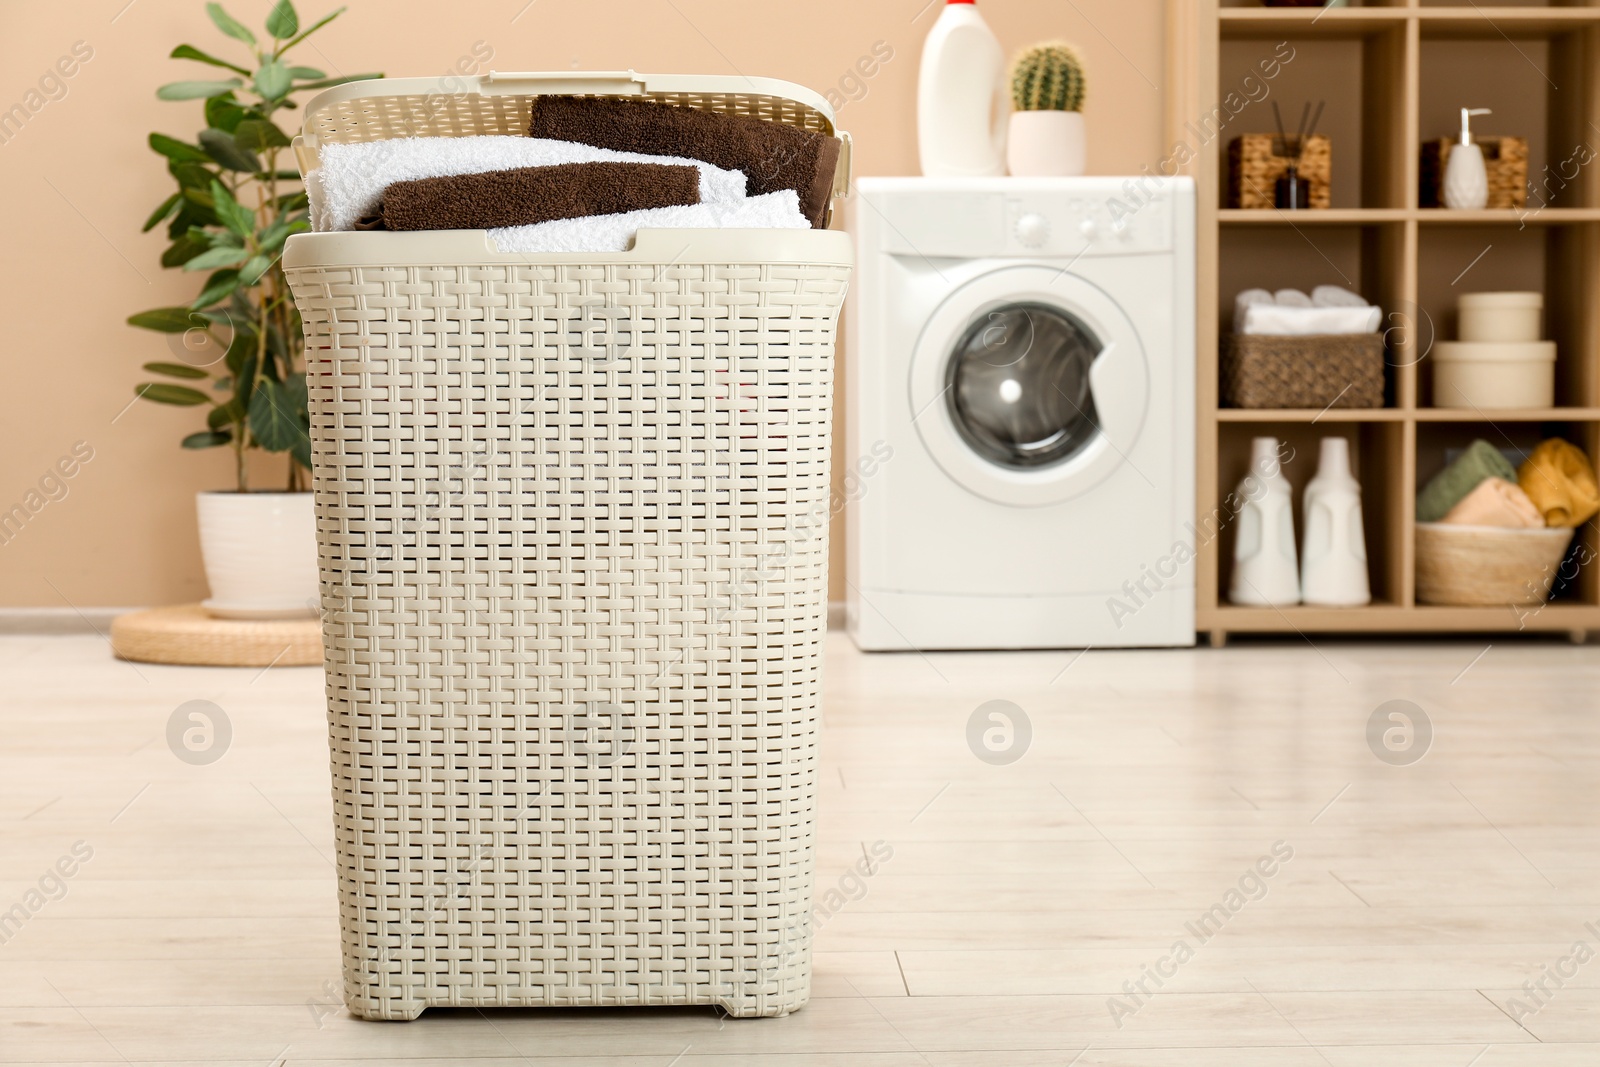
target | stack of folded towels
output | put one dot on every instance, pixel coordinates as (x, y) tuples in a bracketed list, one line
[(1555, 486), (591, 172), (1290, 312)]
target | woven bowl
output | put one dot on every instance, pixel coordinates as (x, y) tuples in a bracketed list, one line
[(1487, 565)]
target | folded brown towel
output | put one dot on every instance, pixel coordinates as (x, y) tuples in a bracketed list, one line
[(772, 155), (536, 194)]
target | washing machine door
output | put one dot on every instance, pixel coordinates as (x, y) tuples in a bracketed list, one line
[(1029, 386)]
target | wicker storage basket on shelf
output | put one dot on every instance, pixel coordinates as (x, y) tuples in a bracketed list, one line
[(1254, 170), (572, 514), (1487, 565), (1314, 371), (1505, 161)]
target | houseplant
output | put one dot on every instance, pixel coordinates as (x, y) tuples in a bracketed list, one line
[(238, 344), (1046, 135)]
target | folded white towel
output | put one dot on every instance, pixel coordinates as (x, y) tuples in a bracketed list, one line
[(1274, 319), (1334, 296), (1291, 298), (614, 233), (350, 179), (1243, 301)]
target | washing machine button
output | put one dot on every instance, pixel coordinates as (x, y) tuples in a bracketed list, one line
[(1033, 230), (1089, 228)]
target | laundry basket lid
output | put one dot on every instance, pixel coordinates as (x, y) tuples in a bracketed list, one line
[(502, 103)]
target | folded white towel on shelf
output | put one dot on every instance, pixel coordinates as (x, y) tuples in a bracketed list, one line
[(350, 178), (1273, 319), (1291, 298), (1243, 301), (1334, 296), (614, 233)]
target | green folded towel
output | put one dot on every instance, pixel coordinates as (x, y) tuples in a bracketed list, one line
[(1446, 489)]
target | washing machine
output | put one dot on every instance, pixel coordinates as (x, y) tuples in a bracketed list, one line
[(1020, 431)]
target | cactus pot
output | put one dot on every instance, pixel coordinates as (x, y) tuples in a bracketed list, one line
[(1046, 144)]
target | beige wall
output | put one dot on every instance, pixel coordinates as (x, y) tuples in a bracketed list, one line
[(77, 181)]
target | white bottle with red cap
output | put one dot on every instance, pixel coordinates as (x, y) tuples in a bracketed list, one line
[(962, 96)]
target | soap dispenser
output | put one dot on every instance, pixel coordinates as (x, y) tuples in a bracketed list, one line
[(1466, 183)]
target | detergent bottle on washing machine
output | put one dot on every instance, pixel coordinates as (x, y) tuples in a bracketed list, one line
[(962, 96)]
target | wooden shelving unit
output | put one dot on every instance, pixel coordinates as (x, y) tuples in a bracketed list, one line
[(1393, 75)]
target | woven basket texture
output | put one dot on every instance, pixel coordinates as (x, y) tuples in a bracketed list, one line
[(1254, 170), (1505, 161), (1485, 566), (573, 533), (1315, 371)]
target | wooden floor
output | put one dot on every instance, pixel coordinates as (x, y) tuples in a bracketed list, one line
[(1022, 902)]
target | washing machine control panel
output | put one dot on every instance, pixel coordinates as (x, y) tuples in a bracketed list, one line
[(1114, 225), (1023, 217)]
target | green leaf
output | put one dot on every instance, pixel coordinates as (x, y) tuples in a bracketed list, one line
[(224, 415), (255, 134), (175, 149), (282, 22), (196, 90), (219, 286), (272, 420), (180, 252), (306, 73), (191, 175), (234, 215), (175, 370), (221, 256), (189, 51), (163, 393), (229, 25), (224, 113), (272, 238), (327, 83), (252, 271), (160, 214), (272, 80), (207, 439), (323, 21), (301, 450), (162, 320), (220, 146)]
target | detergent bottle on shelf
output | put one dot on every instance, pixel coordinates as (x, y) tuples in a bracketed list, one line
[(961, 96), (1334, 564), (1264, 561)]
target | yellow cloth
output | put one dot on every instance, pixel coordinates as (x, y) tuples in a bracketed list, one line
[(1560, 482), (1495, 502)]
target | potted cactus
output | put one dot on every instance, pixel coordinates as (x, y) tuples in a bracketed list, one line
[(1046, 136)]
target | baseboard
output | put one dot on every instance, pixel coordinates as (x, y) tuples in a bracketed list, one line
[(59, 620)]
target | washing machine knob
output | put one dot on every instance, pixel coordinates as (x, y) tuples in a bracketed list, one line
[(1033, 229), (1089, 228)]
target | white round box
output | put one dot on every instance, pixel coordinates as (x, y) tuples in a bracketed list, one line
[(1500, 316), (1494, 374)]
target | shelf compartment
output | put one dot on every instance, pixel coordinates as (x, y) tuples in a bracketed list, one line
[(1452, 260), (1436, 441), (1383, 496), (1363, 120), (1431, 216), (1360, 258)]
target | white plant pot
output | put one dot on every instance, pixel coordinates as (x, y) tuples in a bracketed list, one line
[(260, 552), (1046, 144)]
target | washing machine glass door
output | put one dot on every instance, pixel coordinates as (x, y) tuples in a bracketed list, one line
[(1018, 386), (1029, 386)]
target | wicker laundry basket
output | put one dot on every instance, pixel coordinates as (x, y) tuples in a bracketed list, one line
[(572, 516)]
